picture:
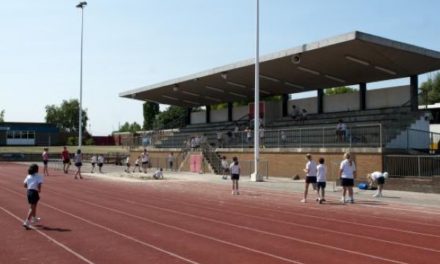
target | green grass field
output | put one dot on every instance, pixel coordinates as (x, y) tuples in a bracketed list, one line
[(58, 149)]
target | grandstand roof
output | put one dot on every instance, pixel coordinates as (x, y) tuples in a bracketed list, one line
[(347, 59)]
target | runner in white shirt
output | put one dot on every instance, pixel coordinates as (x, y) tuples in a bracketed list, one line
[(136, 164), (100, 162), (347, 172), (45, 157), (127, 164), (235, 175), (321, 178), (310, 171), (378, 178), (145, 160), (78, 163), (93, 162), (32, 183), (224, 167)]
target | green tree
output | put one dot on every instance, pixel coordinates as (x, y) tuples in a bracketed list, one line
[(66, 116), (431, 90), (339, 90), (172, 117), (151, 110), (2, 116), (127, 127)]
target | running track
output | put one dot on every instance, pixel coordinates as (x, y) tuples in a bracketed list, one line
[(104, 221)]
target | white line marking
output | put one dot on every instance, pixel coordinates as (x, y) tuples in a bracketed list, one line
[(71, 251), (236, 226)]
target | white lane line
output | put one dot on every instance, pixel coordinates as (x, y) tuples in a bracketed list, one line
[(71, 251), (295, 224), (111, 230), (236, 226), (333, 219), (172, 227)]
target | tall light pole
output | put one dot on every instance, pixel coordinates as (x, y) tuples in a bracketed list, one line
[(81, 5), (255, 176)]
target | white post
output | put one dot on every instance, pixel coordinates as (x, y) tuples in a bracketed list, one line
[(255, 176), (81, 5)]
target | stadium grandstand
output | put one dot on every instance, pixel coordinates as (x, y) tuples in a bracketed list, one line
[(383, 128)]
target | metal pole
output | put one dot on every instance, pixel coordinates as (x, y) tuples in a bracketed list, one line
[(81, 5), (256, 176)]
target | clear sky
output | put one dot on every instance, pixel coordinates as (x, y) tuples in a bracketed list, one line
[(133, 43)]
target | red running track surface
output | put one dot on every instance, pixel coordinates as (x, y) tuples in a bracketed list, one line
[(106, 221)]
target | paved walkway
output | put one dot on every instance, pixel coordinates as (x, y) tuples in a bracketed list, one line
[(273, 183)]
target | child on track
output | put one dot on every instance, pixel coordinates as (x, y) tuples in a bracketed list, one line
[(378, 178), (310, 171), (100, 162), (45, 157), (145, 160), (235, 175), (78, 164), (321, 180), (93, 162), (158, 174), (127, 164), (136, 164), (65, 156), (32, 183), (347, 172)]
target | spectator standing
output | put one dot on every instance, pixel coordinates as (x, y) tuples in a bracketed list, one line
[(248, 135), (295, 113), (310, 171), (219, 139), (347, 172), (170, 160), (283, 137), (32, 183), (224, 167), (341, 129), (45, 157), (261, 131)]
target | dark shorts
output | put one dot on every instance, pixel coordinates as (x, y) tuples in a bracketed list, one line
[(45, 162), (66, 161), (78, 164), (321, 185), (347, 182), (380, 180), (311, 179), (235, 176), (93, 164), (144, 163), (128, 164), (100, 164), (33, 196)]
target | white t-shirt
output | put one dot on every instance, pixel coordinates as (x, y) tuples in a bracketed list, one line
[(311, 168), (341, 127), (93, 160), (33, 181), (375, 175), (235, 169), (225, 164), (144, 157), (77, 158), (158, 174), (101, 159), (45, 155), (347, 170), (322, 173)]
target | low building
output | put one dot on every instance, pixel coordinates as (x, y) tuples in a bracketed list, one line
[(28, 134)]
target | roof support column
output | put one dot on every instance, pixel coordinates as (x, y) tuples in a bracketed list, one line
[(188, 116), (208, 114), (320, 101), (362, 96), (230, 107), (414, 91), (285, 103)]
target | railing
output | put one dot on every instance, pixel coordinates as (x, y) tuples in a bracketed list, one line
[(416, 166), (422, 140)]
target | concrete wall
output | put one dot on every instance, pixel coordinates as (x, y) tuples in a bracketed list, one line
[(219, 115), (388, 97), (239, 112), (341, 102), (198, 117), (310, 104)]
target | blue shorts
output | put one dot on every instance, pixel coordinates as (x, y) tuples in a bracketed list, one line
[(33, 196), (235, 176), (347, 182), (321, 185)]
